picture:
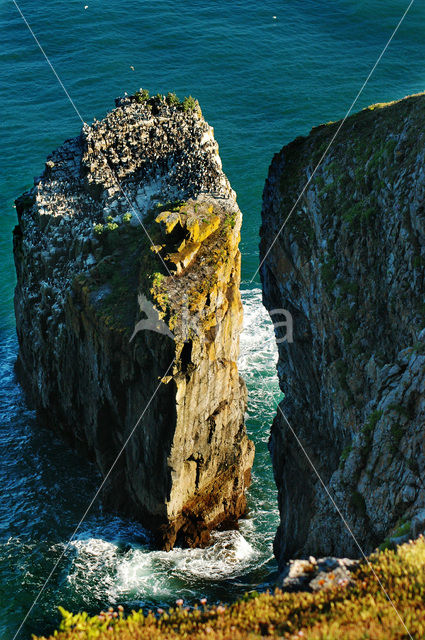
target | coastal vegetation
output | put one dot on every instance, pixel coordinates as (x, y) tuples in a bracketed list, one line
[(358, 610), (187, 104)]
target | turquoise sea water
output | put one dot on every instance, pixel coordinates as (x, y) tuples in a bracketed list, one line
[(264, 73)]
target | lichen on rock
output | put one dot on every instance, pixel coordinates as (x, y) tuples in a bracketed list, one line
[(137, 211), (350, 266)]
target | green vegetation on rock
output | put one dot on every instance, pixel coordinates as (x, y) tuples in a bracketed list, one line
[(344, 455)]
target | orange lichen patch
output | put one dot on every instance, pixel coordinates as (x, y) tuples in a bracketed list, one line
[(199, 230), (169, 219), (191, 224), (185, 255)]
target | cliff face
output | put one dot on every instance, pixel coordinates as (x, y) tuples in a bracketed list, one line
[(350, 267), (92, 255)]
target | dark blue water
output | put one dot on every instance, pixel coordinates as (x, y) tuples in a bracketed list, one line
[(264, 73)]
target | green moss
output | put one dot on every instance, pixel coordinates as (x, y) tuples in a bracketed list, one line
[(358, 212), (171, 205), (341, 369), (368, 430), (369, 213), (348, 288), (301, 227), (390, 146), (230, 219), (327, 272), (328, 189), (319, 181), (123, 248), (157, 279), (358, 503), (344, 455), (397, 432), (402, 529), (127, 217), (418, 261), (132, 263), (419, 348), (402, 411), (371, 423)]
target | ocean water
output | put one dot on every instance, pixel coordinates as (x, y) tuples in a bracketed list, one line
[(264, 73)]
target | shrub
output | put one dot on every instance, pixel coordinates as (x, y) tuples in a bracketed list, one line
[(189, 104), (127, 217), (172, 99), (142, 95)]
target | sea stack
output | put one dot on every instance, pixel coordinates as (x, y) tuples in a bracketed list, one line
[(128, 314), (350, 267)]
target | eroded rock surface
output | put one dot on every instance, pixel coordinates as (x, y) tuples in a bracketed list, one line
[(316, 575), (350, 266), (137, 211)]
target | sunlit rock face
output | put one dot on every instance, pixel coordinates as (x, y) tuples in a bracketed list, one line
[(350, 265), (128, 313)]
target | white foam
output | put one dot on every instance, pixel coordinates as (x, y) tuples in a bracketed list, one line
[(228, 555), (258, 357), (113, 569), (257, 340), (139, 572)]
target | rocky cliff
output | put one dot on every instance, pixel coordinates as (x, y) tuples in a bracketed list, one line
[(350, 267), (128, 313)]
